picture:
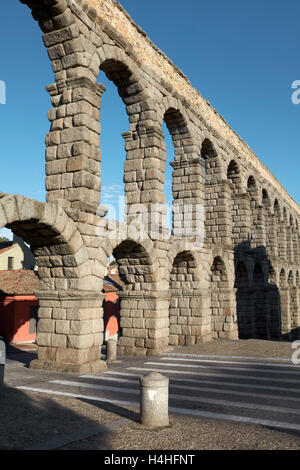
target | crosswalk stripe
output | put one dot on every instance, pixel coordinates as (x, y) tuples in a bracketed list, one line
[(262, 359), (264, 365), (211, 374), (223, 368), (212, 382), (175, 396), (206, 389), (184, 411), (238, 419), (78, 395)]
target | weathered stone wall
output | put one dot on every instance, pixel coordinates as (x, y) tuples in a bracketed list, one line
[(232, 271)]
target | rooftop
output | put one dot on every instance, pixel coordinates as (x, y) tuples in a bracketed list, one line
[(18, 282)]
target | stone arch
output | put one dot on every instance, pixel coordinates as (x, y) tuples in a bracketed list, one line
[(293, 305), (211, 160), (217, 200), (251, 184), (120, 70), (68, 284), (260, 316), (144, 319), (186, 303), (223, 314), (135, 265), (269, 223), (240, 205), (243, 305), (125, 76), (273, 304), (54, 239), (280, 229), (272, 276), (282, 277), (290, 279), (289, 236), (188, 172), (233, 173), (265, 199)]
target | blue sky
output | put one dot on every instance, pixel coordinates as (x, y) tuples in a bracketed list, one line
[(242, 56)]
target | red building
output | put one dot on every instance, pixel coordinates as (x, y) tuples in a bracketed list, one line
[(111, 306), (18, 305)]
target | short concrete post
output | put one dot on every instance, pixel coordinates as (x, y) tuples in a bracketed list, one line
[(154, 410), (111, 350), (2, 361)]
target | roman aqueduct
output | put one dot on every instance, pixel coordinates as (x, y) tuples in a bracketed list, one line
[(241, 281)]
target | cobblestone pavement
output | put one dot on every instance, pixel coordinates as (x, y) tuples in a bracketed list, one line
[(48, 410)]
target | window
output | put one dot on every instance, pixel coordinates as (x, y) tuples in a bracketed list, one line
[(10, 263)]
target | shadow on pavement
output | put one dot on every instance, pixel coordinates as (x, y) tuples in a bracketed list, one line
[(30, 420)]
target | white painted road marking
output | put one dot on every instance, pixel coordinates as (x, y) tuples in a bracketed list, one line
[(200, 381), (175, 396), (184, 411), (263, 359), (236, 369), (264, 365), (214, 390), (211, 374)]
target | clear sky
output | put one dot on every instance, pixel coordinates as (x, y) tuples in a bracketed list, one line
[(242, 56)]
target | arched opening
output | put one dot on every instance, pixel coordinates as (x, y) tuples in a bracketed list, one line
[(115, 127), (269, 229), (295, 244), (144, 318), (259, 303), (210, 161), (135, 266), (168, 182), (233, 176), (185, 321), (220, 303), (273, 304), (265, 199), (293, 306), (114, 122), (19, 280), (243, 307), (212, 192), (289, 233), (252, 192), (185, 177), (277, 214), (251, 184), (282, 278), (112, 285), (285, 305)]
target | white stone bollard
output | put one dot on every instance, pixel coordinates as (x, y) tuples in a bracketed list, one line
[(111, 350), (154, 400)]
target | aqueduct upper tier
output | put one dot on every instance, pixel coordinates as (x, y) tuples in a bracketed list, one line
[(229, 268)]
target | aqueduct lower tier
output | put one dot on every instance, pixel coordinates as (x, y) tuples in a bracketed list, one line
[(229, 269)]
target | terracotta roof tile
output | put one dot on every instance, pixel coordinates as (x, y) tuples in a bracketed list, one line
[(18, 282), (6, 246)]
